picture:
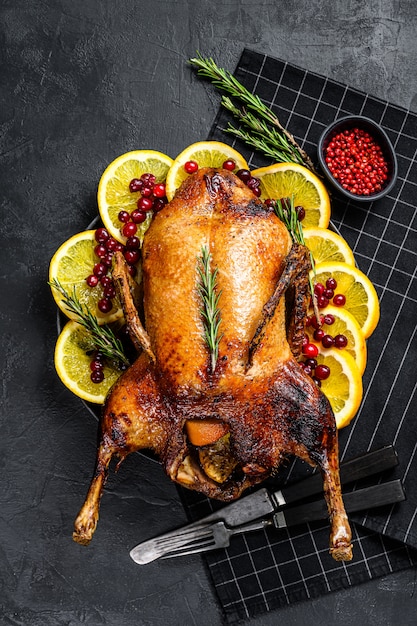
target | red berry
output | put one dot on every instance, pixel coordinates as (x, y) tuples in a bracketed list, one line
[(137, 217), (229, 165), (99, 269), (328, 319), (319, 289), (300, 213), (148, 179), (191, 167), (97, 376), (159, 190), (111, 245), (331, 283), (123, 216), (132, 256), (92, 280), (318, 334), (101, 235), (310, 350), (244, 175), (133, 243), (105, 305), (110, 292), (135, 185), (146, 191), (339, 299), (327, 341), (340, 341), (144, 204), (100, 250), (129, 229), (322, 372), (106, 281)]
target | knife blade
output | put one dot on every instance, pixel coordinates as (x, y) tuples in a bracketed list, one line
[(263, 503)]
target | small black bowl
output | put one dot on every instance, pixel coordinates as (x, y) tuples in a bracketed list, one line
[(381, 138)]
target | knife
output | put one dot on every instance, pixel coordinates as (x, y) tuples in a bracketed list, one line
[(263, 503), (217, 535)]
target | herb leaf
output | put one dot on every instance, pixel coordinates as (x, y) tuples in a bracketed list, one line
[(210, 311), (265, 131), (103, 337)]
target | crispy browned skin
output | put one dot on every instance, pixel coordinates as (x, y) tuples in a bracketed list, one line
[(273, 409)]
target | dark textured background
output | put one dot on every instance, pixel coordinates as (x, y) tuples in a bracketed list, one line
[(81, 83)]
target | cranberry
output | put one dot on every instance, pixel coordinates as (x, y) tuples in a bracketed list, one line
[(123, 216), (244, 175), (319, 289), (96, 365), (106, 281), (92, 280), (110, 292), (331, 283), (148, 179), (137, 217), (311, 363), (111, 245), (191, 167), (99, 269), (133, 270), (97, 376), (310, 350), (144, 204), (318, 334), (300, 213), (159, 190), (308, 370), (132, 256), (322, 302), (146, 191), (108, 259), (100, 250), (101, 235), (129, 229), (105, 305), (340, 341), (158, 204), (327, 341), (328, 293), (339, 299), (229, 165), (135, 185), (322, 372), (253, 182), (133, 243), (328, 319)]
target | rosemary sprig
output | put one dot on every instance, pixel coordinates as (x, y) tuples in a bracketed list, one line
[(286, 212), (102, 337), (210, 310), (225, 81), (260, 136)]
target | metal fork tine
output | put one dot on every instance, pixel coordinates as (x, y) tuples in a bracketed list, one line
[(201, 547), (185, 538)]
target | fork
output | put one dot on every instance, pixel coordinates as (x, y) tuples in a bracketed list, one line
[(215, 535)]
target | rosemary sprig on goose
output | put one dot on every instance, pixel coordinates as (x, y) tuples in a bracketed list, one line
[(254, 114), (210, 298), (287, 213), (102, 337)]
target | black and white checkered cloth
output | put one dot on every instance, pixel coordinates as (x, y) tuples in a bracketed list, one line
[(265, 570)]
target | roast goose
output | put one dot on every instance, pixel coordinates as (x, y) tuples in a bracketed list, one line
[(267, 407)]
